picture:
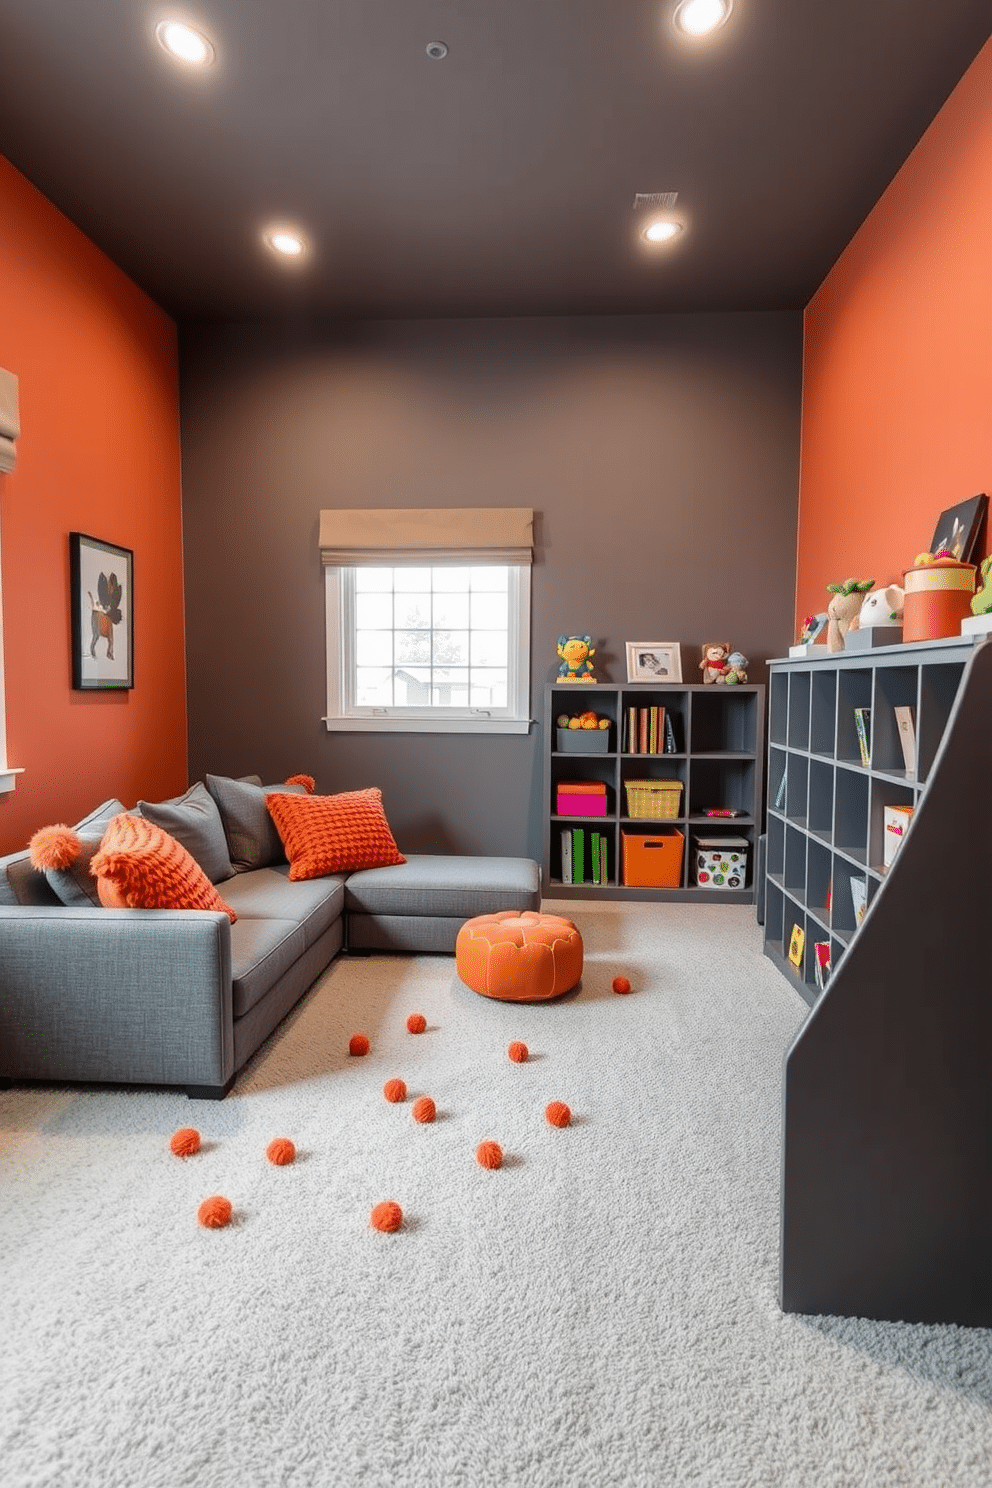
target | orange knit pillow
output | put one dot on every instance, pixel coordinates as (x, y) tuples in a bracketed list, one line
[(334, 834), (139, 866)]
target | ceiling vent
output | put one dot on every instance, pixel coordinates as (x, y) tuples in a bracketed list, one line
[(655, 201)]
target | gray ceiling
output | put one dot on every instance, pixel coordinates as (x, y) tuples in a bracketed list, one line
[(498, 181)]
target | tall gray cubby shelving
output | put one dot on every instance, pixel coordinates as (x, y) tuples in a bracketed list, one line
[(886, 1191), (719, 736)]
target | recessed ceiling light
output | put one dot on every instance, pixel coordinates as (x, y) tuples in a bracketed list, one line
[(285, 241), (436, 50), (662, 230), (181, 41), (700, 17)]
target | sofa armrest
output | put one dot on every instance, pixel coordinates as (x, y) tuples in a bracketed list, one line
[(128, 996)]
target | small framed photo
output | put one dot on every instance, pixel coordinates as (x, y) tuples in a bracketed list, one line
[(958, 528), (102, 600), (654, 661)]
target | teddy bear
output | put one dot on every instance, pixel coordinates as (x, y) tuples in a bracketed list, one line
[(844, 609), (714, 663), (575, 665)]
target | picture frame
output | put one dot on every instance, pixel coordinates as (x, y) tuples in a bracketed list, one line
[(101, 597), (654, 661), (958, 528)]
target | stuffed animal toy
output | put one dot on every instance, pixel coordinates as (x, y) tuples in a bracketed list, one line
[(714, 663), (981, 600), (736, 668), (882, 607), (844, 609), (575, 665)]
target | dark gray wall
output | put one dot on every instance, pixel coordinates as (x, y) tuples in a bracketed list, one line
[(660, 455)]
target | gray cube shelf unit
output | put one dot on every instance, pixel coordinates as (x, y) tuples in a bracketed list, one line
[(886, 1196), (825, 808), (719, 738)]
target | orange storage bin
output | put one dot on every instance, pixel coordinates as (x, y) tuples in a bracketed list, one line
[(937, 598), (653, 862)]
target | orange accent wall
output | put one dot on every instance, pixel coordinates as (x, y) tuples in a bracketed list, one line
[(99, 453), (897, 366)]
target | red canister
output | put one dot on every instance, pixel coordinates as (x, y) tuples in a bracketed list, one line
[(937, 599)]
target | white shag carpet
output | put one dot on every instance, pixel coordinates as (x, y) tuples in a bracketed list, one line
[(600, 1311)]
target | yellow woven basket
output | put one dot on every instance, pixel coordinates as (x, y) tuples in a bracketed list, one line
[(654, 800)]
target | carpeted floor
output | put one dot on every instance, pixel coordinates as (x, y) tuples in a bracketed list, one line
[(599, 1311)]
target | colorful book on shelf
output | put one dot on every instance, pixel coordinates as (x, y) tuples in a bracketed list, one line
[(821, 962), (862, 727), (670, 745), (796, 942), (578, 855), (780, 793), (632, 730), (594, 857), (652, 729), (604, 861), (859, 898), (642, 732), (566, 855), (906, 724)]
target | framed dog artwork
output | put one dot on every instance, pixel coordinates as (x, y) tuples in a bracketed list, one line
[(102, 599)]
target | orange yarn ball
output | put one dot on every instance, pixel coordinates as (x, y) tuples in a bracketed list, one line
[(621, 984), (387, 1216), (185, 1141), (489, 1155), (280, 1151), (416, 1023), (394, 1090), (214, 1213), (424, 1109), (518, 1052), (558, 1113), (358, 1043)]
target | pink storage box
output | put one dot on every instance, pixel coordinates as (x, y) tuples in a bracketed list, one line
[(581, 803)]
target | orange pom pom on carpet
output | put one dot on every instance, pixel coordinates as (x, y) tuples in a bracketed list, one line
[(214, 1213), (621, 985), (424, 1109), (358, 1044), (518, 1052), (387, 1216), (558, 1113), (185, 1141), (394, 1090), (416, 1023), (280, 1151), (489, 1155)]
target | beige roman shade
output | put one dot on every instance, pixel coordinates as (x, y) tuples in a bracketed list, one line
[(407, 534)]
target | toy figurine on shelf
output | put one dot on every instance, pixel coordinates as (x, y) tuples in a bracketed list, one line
[(737, 664), (981, 602), (714, 663), (844, 609), (575, 652)]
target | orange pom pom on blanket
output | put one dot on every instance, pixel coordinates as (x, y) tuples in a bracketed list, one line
[(621, 985), (185, 1141), (387, 1216), (280, 1151), (558, 1113), (518, 1052), (394, 1090), (54, 847), (358, 1044), (416, 1023), (489, 1155), (214, 1213), (424, 1110)]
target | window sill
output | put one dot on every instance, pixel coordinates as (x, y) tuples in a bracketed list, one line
[(428, 725), (8, 778)]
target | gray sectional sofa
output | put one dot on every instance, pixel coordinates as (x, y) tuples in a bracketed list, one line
[(184, 997)]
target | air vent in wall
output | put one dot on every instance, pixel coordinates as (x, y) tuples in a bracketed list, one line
[(655, 201)]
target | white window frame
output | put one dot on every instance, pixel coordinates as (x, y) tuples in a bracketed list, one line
[(344, 715)]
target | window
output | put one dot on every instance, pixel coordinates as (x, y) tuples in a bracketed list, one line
[(428, 619)]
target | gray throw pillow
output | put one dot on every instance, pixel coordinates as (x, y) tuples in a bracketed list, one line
[(252, 839), (193, 819), (75, 886)]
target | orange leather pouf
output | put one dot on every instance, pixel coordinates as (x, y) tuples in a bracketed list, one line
[(519, 955)]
